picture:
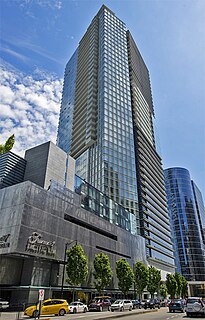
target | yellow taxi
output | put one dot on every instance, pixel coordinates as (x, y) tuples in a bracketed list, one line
[(50, 306)]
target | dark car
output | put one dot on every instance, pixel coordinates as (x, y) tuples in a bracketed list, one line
[(148, 303), (101, 303), (157, 303), (176, 305), (136, 304)]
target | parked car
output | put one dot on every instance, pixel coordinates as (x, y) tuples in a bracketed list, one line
[(195, 306), (136, 304), (122, 305), (50, 306), (148, 303), (3, 304), (77, 306), (100, 303), (176, 305), (157, 303)]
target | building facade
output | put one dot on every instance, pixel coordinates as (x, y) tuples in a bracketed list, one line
[(200, 209), (47, 162), (106, 123), (50, 209), (12, 169), (35, 226), (184, 203)]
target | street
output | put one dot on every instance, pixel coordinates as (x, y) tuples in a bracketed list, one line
[(161, 314)]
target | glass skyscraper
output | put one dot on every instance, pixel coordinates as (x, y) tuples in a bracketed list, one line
[(106, 124), (186, 211)]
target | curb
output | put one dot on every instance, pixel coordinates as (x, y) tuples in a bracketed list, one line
[(125, 314)]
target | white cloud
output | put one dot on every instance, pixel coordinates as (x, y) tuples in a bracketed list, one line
[(29, 108), (52, 4)]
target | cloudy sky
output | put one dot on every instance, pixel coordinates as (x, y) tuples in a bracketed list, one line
[(39, 36)]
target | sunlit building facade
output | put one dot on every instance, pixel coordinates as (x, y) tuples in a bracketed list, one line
[(110, 132), (186, 212)]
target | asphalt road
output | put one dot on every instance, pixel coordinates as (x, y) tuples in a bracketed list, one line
[(161, 314)]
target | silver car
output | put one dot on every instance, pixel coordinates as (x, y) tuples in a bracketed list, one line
[(122, 305), (195, 306)]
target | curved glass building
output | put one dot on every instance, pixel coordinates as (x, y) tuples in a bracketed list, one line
[(185, 224)]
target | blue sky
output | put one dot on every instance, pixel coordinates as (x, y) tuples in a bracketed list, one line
[(39, 36)]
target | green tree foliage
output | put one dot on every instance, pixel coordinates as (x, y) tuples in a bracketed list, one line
[(140, 277), (163, 290), (154, 278), (178, 279), (184, 287), (125, 275), (8, 145), (102, 271), (171, 284), (77, 265)]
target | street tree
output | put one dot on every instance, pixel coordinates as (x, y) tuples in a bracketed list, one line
[(102, 271), (163, 290), (154, 278), (77, 265), (8, 145), (140, 277), (171, 284), (125, 275), (184, 287), (178, 279)]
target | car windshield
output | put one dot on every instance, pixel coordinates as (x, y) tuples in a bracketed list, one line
[(117, 301), (73, 304), (193, 300)]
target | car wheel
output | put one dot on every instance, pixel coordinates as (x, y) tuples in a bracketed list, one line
[(130, 308), (85, 310), (112, 310), (121, 309), (62, 312), (35, 314), (101, 309), (74, 310)]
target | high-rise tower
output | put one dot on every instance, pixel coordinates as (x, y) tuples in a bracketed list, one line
[(106, 124), (186, 211)]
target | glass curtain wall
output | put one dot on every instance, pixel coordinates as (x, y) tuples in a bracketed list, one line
[(189, 252)]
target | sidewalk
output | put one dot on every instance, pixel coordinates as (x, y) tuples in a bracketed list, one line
[(96, 316)]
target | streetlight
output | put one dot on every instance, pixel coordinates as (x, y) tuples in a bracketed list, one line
[(64, 263), (134, 282)]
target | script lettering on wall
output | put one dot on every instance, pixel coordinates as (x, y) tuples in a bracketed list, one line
[(35, 244), (4, 241)]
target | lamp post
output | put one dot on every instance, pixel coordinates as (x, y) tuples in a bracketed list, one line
[(64, 263), (134, 282)]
